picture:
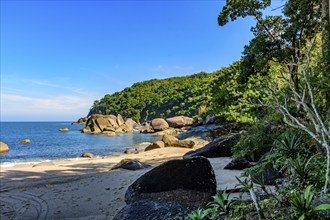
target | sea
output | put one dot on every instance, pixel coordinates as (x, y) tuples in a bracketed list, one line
[(48, 143)]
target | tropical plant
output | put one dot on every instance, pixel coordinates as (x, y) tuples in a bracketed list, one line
[(221, 203), (289, 145), (302, 170), (301, 204), (199, 214)]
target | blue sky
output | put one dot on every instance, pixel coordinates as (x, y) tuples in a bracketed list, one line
[(57, 57)]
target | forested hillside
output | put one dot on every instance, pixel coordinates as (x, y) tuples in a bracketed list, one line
[(187, 95)]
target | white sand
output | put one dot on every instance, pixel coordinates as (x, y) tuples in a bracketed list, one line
[(82, 188)]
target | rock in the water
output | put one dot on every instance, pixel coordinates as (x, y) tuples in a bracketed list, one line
[(64, 129), (128, 151), (130, 164), (95, 124), (25, 141), (159, 124), (3, 148), (156, 145), (238, 164), (87, 155), (120, 120), (190, 182), (171, 141), (154, 210), (179, 121), (220, 147), (98, 123)]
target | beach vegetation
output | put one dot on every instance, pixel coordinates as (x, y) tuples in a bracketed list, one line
[(281, 88)]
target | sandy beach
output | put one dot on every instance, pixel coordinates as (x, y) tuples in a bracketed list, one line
[(82, 188)]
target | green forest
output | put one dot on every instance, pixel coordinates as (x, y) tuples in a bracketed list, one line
[(280, 87), (188, 95)]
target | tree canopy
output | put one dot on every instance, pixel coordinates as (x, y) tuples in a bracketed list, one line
[(159, 98)]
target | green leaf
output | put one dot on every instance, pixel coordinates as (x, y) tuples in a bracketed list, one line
[(322, 207), (302, 217)]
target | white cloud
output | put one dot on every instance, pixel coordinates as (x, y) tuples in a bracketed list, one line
[(48, 84), (36, 108)]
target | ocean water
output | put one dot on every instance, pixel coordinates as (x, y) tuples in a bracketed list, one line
[(48, 143)]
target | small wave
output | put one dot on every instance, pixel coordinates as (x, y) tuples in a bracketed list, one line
[(7, 164)]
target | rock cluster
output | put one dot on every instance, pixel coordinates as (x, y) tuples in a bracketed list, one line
[(159, 124), (170, 141), (81, 121), (108, 125)]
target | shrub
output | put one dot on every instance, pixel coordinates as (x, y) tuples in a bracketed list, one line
[(256, 141), (301, 205)]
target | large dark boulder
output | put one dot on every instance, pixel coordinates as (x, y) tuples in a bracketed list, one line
[(220, 147), (130, 164), (154, 210), (190, 182), (238, 164)]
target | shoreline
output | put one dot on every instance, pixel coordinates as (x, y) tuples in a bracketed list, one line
[(6, 164), (83, 188)]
